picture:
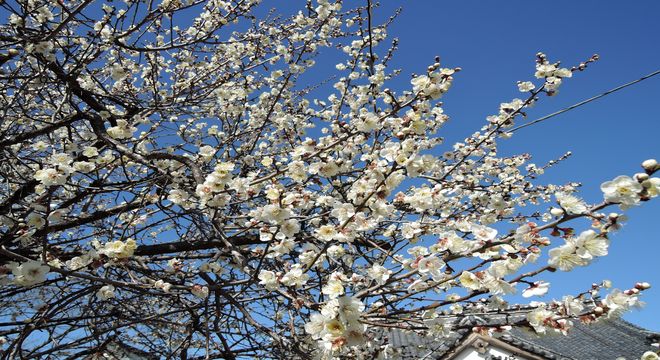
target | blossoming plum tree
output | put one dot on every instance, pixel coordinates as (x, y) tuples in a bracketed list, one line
[(170, 183)]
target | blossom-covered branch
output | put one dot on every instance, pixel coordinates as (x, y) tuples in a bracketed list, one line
[(171, 182)]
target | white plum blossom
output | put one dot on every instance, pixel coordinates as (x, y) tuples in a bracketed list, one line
[(50, 176), (538, 288), (650, 355), (29, 273), (200, 291), (538, 319), (123, 130), (333, 289), (327, 232), (617, 302), (525, 86), (164, 286), (338, 323), (268, 279), (296, 277), (623, 190), (469, 281), (118, 249), (106, 292), (591, 244), (652, 186), (439, 327), (433, 85), (483, 233), (431, 265), (571, 204), (565, 257), (379, 273)]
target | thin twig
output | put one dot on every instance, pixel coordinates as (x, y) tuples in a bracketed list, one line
[(584, 102)]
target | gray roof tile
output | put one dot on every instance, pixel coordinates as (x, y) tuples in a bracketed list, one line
[(607, 339)]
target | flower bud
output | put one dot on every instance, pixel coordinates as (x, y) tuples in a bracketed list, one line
[(640, 177), (556, 212), (650, 165), (642, 285), (598, 310)]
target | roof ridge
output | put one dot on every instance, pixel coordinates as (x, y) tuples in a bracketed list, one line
[(636, 327)]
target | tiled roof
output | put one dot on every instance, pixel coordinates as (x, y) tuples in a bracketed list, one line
[(607, 339)]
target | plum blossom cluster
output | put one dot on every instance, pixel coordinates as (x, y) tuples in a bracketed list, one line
[(338, 324), (179, 179)]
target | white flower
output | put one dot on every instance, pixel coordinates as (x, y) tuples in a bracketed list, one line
[(572, 305), (200, 291), (123, 130), (342, 211), (178, 196), (29, 273), (483, 233), (544, 70), (206, 152), (525, 86), (349, 307), (570, 203), (438, 327), (79, 262), (590, 244), (416, 286), (336, 251), (469, 281), (539, 288), (90, 151), (379, 273), (618, 302), (117, 72), (565, 257), (433, 86), (652, 186), (213, 267), (432, 265), (338, 324), (326, 232), (497, 286), (268, 279), (538, 318), (295, 277), (623, 190), (165, 286), (119, 249), (315, 325), (290, 228), (334, 288), (174, 265), (296, 171), (410, 230), (106, 292), (649, 355), (50, 176), (274, 214)]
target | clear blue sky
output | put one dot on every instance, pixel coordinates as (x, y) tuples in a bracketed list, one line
[(495, 43)]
